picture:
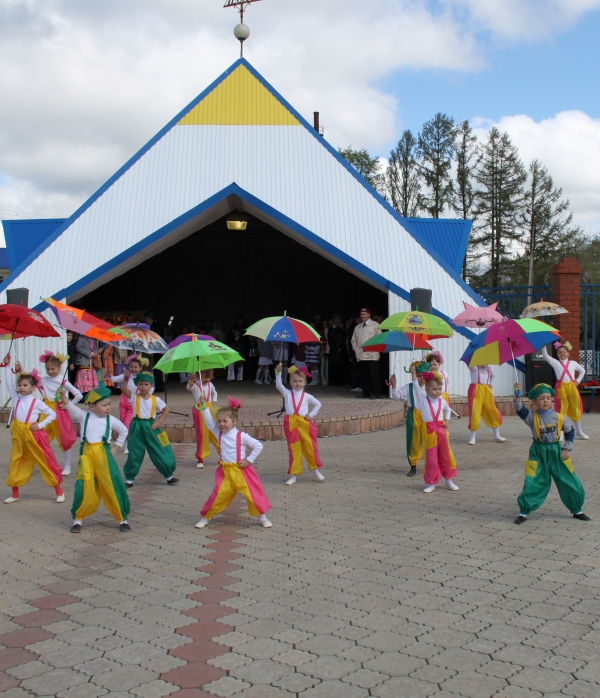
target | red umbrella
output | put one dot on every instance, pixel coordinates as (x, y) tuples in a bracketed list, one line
[(20, 322)]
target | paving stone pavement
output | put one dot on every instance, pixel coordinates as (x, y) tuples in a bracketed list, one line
[(365, 586)]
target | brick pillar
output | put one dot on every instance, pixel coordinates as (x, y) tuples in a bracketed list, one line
[(567, 276)]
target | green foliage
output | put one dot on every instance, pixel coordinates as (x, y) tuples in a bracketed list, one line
[(368, 167), (467, 153), (403, 186), (436, 148)]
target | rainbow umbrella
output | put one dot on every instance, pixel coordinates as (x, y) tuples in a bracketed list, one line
[(395, 341), (283, 329), (416, 322), (543, 308), (189, 338), (84, 323), (502, 342)]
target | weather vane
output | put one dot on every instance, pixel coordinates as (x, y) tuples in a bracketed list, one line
[(240, 31)]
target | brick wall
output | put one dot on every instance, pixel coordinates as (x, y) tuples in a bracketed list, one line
[(567, 276)]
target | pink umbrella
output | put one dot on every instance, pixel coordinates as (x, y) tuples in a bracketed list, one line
[(473, 316)]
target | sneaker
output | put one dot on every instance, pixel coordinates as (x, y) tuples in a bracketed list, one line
[(76, 528), (451, 486), (172, 481), (124, 527), (126, 451), (202, 523), (291, 481), (583, 437), (520, 520), (258, 382), (200, 464), (412, 472), (499, 439), (11, 500), (265, 523), (581, 516), (129, 485), (61, 498), (318, 475), (429, 488), (355, 390), (67, 471)]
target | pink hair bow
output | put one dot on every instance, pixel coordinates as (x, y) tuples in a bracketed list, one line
[(45, 356), (234, 403), (131, 358), (428, 376), (305, 372)]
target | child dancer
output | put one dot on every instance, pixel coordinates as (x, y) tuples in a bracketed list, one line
[(265, 360), (98, 476), (236, 471), (85, 353), (52, 386), (415, 427), (439, 459), (136, 364), (144, 431), (203, 435), (548, 460), (481, 403), (569, 374), (435, 361), (30, 444), (300, 431)]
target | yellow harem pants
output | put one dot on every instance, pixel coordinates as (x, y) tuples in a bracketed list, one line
[(567, 400), (481, 404), (29, 449), (98, 478), (204, 436), (415, 436), (301, 438)]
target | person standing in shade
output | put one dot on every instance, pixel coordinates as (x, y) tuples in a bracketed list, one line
[(367, 361)]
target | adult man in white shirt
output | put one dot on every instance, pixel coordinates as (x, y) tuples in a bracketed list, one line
[(367, 361)]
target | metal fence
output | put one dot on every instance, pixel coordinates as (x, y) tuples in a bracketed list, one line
[(513, 299)]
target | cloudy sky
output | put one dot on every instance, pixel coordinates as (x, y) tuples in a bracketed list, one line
[(85, 83)]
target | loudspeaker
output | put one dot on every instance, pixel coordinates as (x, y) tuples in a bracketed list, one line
[(538, 372), (18, 296), (420, 299), (537, 355)]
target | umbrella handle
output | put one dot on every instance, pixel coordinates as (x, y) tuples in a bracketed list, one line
[(513, 360)]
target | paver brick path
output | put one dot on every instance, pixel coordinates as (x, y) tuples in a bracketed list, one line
[(364, 586)]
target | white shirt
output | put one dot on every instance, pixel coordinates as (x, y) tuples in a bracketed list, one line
[(96, 426), (423, 401), (228, 442), (403, 394), (303, 399), (559, 366), (207, 389), (363, 332), (146, 406), (483, 375), (446, 383), (131, 386), (51, 384), (21, 405)]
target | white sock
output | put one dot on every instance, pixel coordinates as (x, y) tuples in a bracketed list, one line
[(258, 374), (578, 428), (523, 515), (77, 522), (129, 482), (472, 437), (315, 377), (496, 432), (263, 517), (67, 460), (291, 480), (240, 373), (122, 522), (231, 372), (429, 488)]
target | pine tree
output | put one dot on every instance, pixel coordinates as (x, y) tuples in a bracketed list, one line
[(466, 154), (435, 150), (403, 188), (499, 197), (366, 166)]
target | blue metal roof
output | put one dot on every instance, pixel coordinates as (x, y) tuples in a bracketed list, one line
[(25, 236), (4, 258), (447, 236)]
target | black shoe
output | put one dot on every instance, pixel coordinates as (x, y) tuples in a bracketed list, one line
[(375, 397), (124, 527), (172, 481), (129, 485), (520, 519), (76, 528), (412, 472), (581, 517)]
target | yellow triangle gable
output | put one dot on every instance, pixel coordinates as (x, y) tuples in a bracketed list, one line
[(240, 100)]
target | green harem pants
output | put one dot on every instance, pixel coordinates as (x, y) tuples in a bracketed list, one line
[(143, 438), (544, 465)]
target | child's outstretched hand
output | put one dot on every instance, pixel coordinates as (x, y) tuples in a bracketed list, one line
[(192, 379), (393, 380), (279, 367), (126, 375), (6, 360), (413, 372), (517, 388)]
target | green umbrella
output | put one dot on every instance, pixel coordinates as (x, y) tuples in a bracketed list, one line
[(197, 355)]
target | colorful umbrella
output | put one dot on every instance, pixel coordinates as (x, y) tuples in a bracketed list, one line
[(395, 341), (543, 308), (84, 323), (197, 355), (189, 338), (283, 329), (473, 316), (505, 340), (142, 339), (416, 322)]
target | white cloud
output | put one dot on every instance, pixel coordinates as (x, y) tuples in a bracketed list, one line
[(569, 145)]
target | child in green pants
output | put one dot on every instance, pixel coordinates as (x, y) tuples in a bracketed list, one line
[(547, 459)]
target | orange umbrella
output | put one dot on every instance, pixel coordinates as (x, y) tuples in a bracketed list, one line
[(84, 323)]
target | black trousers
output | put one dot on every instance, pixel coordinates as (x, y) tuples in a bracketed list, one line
[(368, 376)]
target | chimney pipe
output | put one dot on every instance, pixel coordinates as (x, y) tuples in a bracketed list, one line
[(316, 121)]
